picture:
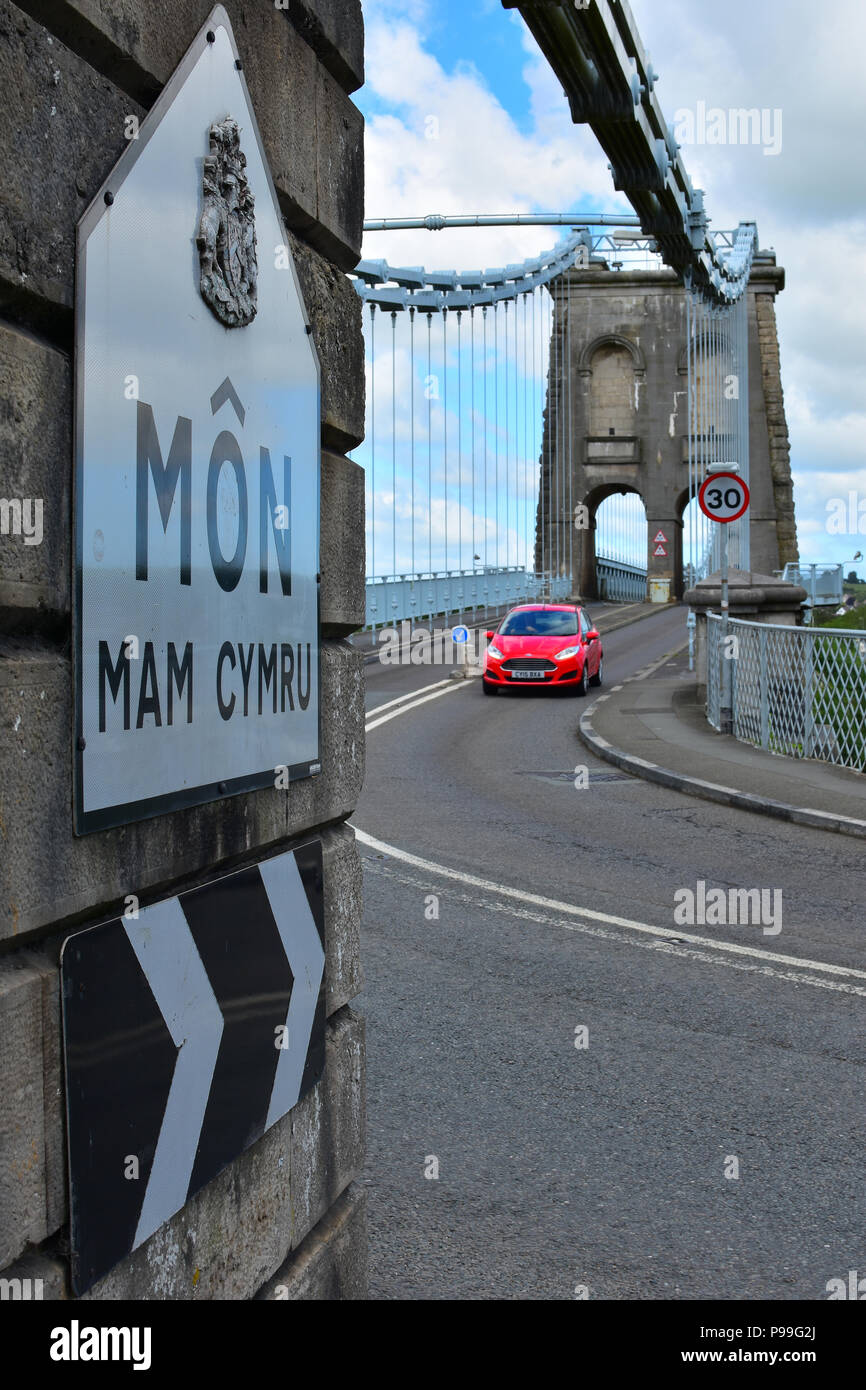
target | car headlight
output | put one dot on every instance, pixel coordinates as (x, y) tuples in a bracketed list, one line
[(566, 652), (494, 651)]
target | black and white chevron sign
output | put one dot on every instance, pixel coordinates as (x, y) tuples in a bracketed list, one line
[(189, 1030)]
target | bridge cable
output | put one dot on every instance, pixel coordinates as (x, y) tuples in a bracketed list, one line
[(394, 443), (486, 429), (460, 564), (429, 394), (526, 473), (373, 435), (472, 413), (570, 426), (445, 421), (412, 431)]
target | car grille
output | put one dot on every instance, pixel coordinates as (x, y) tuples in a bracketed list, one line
[(528, 663)]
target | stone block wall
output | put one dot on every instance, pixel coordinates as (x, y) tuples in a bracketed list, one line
[(286, 1218), (765, 285), (612, 395)]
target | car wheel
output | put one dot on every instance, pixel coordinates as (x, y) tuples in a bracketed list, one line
[(597, 678), (488, 688), (581, 687)]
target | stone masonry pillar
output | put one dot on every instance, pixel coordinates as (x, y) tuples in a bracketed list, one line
[(286, 1219)]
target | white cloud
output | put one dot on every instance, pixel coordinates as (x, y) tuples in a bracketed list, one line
[(791, 55), (449, 146), (808, 202)]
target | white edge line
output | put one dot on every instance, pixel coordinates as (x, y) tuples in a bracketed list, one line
[(655, 665), (570, 910), (410, 695), (404, 709)]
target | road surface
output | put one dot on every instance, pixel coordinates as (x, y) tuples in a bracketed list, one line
[(625, 1109)]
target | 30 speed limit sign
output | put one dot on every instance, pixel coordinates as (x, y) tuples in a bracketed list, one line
[(723, 497)]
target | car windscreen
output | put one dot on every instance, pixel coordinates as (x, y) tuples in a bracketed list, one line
[(539, 623)]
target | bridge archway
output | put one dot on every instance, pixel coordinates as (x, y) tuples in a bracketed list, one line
[(611, 340), (696, 533), (612, 369), (615, 531)]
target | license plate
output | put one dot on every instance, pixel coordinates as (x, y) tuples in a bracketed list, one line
[(527, 675)]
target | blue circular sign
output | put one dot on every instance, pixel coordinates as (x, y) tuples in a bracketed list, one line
[(460, 634)]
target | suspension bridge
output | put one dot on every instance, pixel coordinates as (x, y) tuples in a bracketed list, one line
[(515, 449)]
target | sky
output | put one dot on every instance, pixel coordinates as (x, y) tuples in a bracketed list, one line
[(463, 114)]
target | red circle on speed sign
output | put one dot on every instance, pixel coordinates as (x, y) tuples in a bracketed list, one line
[(723, 497)]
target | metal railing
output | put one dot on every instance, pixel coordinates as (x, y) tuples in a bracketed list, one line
[(796, 691), (618, 582), (390, 599), (823, 583)]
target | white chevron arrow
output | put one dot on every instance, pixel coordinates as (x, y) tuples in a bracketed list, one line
[(303, 948), (163, 943)]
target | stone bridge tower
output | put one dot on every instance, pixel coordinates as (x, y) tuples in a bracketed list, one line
[(622, 414)]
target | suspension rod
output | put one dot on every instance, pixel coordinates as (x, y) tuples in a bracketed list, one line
[(435, 222)]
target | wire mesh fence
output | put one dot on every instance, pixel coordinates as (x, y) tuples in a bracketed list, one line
[(796, 691)]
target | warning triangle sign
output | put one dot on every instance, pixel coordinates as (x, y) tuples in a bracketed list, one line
[(660, 538), (660, 550)]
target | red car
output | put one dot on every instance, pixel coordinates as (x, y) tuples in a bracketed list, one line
[(543, 644)]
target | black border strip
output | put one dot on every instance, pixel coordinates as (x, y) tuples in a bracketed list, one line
[(110, 817)]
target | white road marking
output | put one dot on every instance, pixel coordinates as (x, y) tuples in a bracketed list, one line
[(401, 699), (404, 709), (662, 934), (665, 947), (654, 666)]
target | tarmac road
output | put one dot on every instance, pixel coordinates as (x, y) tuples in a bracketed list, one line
[(606, 1168)]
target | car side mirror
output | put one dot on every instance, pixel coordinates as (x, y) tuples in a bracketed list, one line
[(489, 635), (592, 635)]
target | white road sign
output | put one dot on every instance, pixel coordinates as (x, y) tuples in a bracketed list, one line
[(197, 466), (723, 497)]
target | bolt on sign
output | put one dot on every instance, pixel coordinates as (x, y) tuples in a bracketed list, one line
[(190, 1027), (197, 465), (724, 497)]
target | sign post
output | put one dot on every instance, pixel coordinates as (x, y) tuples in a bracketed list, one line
[(724, 497)]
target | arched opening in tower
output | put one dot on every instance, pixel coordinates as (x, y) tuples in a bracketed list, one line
[(612, 394), (611, 525)]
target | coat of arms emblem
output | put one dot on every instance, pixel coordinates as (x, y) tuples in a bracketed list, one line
[(227, 230)]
